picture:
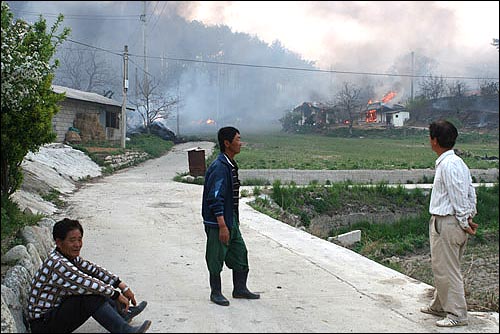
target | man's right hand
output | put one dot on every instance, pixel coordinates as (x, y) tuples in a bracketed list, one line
[(224, 235), (472, 227), (124, 301)]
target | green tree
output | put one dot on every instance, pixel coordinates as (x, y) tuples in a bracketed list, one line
[(28, 102)]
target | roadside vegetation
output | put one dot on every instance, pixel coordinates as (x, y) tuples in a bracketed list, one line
[(32, 46), (402, 244), (28, 104), (13, 219), (368, 149), (151, 144)]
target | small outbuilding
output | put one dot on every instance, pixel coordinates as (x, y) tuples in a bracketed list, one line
[(382, 113), (85, 116), (396, 118)]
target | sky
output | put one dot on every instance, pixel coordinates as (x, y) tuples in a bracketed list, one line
[(350, 34), (328, 31), (339, 36)]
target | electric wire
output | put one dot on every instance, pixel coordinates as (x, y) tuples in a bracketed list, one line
[(187, 60)]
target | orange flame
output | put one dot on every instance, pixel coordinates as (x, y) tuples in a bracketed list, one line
[(389, 96), (210, 121), (371, 116)]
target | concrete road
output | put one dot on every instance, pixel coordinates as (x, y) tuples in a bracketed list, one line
[(147, 228)]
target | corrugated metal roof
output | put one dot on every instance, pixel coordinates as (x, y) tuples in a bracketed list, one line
[(86, 96)]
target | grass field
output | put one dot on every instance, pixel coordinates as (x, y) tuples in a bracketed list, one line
[(404, 240), (365, 151)]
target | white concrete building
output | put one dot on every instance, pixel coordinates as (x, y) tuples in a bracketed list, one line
[(396, 118)]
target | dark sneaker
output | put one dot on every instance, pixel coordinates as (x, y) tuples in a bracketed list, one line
[(144, 327), (134, 311)]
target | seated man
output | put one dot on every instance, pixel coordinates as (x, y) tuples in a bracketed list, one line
[(67, 290)]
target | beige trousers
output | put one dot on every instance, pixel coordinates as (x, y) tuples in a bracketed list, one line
[(448, 241)]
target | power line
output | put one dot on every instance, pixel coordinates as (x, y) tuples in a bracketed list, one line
[(81, 16), (312, 70), (131, 17), (285, 67), (134, 17), (95, 47), (154, 9), (158, 16), (139, 67)]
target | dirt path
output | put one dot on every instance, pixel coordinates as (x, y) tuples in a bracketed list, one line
[(147, 228)]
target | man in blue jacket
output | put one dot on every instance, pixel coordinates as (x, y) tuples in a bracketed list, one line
[(220, 217)]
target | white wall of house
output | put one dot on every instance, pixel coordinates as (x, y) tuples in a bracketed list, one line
[(398, 118)]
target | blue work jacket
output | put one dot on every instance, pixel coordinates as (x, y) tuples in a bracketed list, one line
[(218, 193)]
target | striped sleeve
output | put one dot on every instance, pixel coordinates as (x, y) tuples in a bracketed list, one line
[(460, 191), (68, 277), (97, 271)]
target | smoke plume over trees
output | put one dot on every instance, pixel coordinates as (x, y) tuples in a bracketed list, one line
[(224, 77)]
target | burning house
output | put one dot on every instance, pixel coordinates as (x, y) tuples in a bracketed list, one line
[(383, 112), (314, 113)]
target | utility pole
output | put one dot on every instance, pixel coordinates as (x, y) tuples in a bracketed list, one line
[(124, 102), (217, 119), (177, 108), (331, 82), (145, 82), (136, 85), (144, 38), (412, 68)]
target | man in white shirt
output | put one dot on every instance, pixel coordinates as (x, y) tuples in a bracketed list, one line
[(452, 206)]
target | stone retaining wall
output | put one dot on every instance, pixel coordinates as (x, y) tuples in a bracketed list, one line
[(125, 160), (23, 260)]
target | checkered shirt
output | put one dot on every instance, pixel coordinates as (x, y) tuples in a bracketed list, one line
[(58, 277)]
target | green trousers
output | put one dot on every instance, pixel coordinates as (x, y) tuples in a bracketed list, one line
[(234, 254)]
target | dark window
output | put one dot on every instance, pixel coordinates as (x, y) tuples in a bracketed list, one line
[(112, 120)]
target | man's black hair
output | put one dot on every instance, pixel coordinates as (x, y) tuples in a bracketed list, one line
[(227, 133), (445, 132), (64, 226)]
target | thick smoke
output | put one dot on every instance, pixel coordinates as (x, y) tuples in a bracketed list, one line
[(374, 36), (378, 38)]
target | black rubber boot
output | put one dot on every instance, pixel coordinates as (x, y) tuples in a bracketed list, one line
[(240, 286), (216, 295), (109, 318)]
